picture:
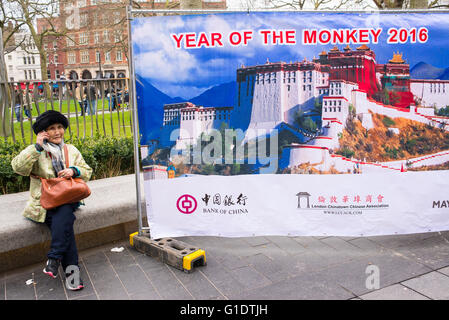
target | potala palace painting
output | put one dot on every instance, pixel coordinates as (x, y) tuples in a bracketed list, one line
[(336, 108)]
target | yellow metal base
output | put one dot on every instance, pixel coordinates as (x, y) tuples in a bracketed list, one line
[(189, 260), (173, 252)]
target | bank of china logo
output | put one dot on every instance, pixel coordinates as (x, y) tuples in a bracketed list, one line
[(303, 200), (186, 204)]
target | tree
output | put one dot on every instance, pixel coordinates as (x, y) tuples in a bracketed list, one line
[(23, 14), (352, 4)]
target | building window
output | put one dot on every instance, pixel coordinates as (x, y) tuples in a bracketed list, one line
[(71, 58), (84, 38), (85, 56), (70, 42), (96, 37), (117, 36), (107, 56), (56, 60), (83, 20), (25, 62), (57, 74), (116, 17), (26, 76), (105, 36), (29, 60), (97, 56), (9, 57), (34, 74), (118, 55)]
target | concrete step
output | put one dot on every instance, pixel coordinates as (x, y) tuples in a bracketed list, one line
[(109, 214)]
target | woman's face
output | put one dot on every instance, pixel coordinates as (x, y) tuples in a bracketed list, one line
[(55, 133)]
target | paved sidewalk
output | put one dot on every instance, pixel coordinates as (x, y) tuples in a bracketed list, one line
[(410, 267)]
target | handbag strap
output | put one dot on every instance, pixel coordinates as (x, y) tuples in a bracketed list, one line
[(66, 157)]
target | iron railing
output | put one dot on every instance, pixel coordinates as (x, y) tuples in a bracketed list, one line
[(93, 106)]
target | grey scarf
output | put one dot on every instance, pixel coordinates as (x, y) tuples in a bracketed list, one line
[(57, 155)]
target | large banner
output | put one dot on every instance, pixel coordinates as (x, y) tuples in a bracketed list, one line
[(291, 123)]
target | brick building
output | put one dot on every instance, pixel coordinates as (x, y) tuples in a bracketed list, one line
[(96, 41)]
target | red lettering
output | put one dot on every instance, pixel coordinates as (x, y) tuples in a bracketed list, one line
[(265, 34), (203, 40), (338, 36), (363, 36), (277, 37), (309, 36), (177, 39), (328, 36), (247, 35), (232, 36), (290, 36), (350, 36), (216, 38), (376, 34), (190, 40)]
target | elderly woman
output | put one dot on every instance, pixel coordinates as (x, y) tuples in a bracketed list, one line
[(46, 159)]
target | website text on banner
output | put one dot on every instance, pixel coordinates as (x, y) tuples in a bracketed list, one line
[(331, 123)]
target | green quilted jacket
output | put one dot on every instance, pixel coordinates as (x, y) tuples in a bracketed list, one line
[(31, 161)]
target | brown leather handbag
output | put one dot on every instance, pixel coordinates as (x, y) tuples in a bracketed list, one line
[(58, 191)]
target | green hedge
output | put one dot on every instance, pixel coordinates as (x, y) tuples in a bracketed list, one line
[(107, 156)]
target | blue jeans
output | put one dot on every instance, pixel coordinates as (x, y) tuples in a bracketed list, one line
[(92, 105), (17, 111), (60, 220), (112, 102)]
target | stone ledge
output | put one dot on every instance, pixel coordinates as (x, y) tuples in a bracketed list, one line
[(110, 214)]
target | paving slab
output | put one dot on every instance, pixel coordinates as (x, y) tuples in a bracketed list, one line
[(48, 288), (433, 285), (400, 240), (197, 284), (256, 241), (303, 287), (164, 281), (288, 244), (105, 280), (432, 252), (343, 246), (17, 289), (250, 278), (394, 292), (312, 243), (272, 269), (444, 271), (221, 278)]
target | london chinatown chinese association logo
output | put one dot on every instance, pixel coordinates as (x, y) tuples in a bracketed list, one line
[(345, 204)]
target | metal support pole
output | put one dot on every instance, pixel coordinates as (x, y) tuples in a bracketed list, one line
[(133, 97)]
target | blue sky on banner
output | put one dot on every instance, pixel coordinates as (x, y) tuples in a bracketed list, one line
[(188, 73)]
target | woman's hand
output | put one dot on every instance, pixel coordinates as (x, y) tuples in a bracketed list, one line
[(66, 173), (40, 137)]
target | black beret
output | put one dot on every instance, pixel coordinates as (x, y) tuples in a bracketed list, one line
[(46, 119)]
